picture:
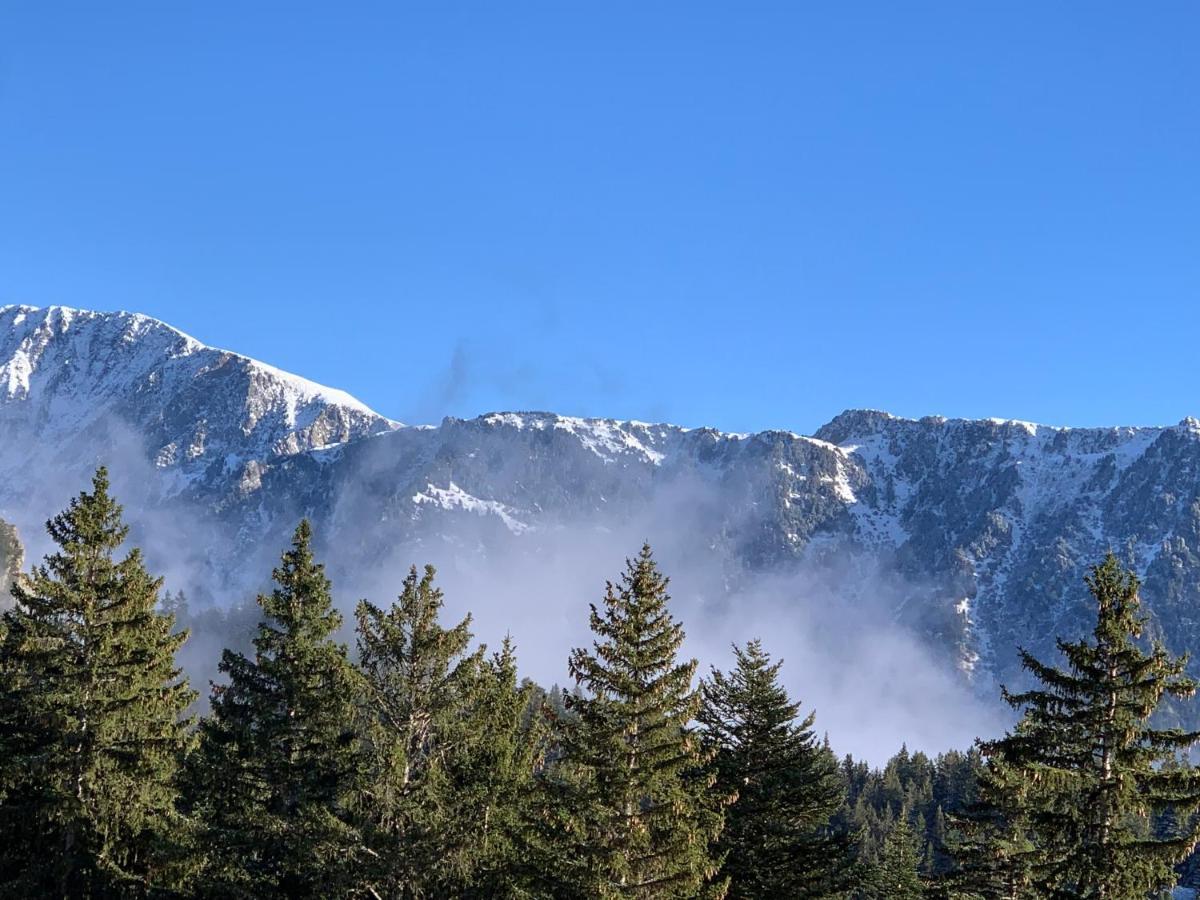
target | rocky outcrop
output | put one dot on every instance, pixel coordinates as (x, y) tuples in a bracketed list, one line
[(983, 528)]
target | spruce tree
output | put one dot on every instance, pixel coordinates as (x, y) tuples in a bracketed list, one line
[(1085, 773), (990, 841), (777, 840), (12, 556), (277, 766), (420, 682), (490, 781), (640, 813), (92, 727), (895, 876)]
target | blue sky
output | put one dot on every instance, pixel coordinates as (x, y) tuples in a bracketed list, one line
[(742, 215)]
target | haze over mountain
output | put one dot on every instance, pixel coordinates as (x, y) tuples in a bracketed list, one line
[(878, 541)]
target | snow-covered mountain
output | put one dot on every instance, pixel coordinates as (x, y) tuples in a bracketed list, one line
[(975, 533), (72, 381)]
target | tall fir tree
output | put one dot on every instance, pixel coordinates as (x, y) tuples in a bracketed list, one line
[(895, 876), (778, 840), (639, 809), (12, 556), (425, 693), (278, 766), (1085, 773), (990, 843), (491, 779), (92, 724)]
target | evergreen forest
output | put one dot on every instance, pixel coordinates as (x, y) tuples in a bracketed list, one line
[(413, 762)]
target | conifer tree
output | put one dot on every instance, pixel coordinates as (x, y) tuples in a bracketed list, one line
[(92, 728), (991, 845), (1083, 774), (895, 876), (12, 556), (640, 812), (421, 681), (277, 765), (777, 839), (491, 778)]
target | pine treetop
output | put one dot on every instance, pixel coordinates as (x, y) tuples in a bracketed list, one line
[(92, 711), (414, 667), (1084, 770), (640, 807), (785, 785), (279, 760), (300, 607)]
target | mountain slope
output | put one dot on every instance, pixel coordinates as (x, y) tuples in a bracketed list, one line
[(972, 534), (71, 380), (984, 528), (1008, 515)]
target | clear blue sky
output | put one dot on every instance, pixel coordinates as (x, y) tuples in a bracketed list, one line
[(747, 215)]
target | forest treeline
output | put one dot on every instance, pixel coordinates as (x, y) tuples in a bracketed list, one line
[(417, 764)]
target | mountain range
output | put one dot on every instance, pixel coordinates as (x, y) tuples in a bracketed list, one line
[(973, 535)]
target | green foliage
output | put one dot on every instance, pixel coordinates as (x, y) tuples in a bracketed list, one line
[(637, 810), (431, 770), (777, 840), (490, 781), (12, 557), (929, 792), (278, 767), (895, 876), (1081, 780), (450, 755), (92, 730), (991, 840)]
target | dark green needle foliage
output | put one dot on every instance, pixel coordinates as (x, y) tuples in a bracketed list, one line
[(278, 765), (638, 809), (991, 843), (490, 781), (1082, 778), (777, 840), (895, 876), (441, 727), (92, 727)]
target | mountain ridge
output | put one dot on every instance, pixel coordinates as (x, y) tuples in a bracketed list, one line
[(199, 414), (15, 313), (337, 395), (983, 527)]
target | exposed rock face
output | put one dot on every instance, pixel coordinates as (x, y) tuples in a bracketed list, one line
[(987, 525), (1010, 515), (74, 382)]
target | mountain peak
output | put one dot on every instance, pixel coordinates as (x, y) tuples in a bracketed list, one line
[(34, 325), (963, 514), (202, 412), (852, 422)]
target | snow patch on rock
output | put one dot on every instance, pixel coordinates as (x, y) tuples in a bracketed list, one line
[(453, 497)]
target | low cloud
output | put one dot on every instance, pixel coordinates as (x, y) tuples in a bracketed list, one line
[(873, 683)]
